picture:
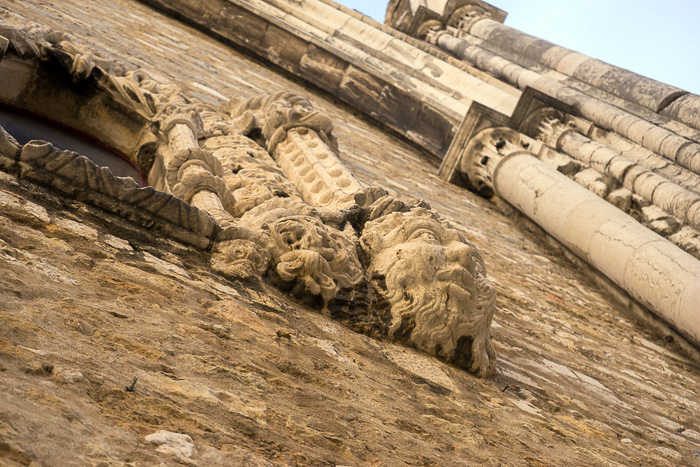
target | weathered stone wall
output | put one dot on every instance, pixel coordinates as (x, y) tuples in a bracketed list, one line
[(257, 379)]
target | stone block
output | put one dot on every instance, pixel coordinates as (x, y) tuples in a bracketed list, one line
[(637, 89), (520, 180), (658, 275), (536, 49), (240, 25), (602, 158), (693, 214), (619, 166), (584, 220), (674, 199), (614, 242), (646, 183), (551, 213), (571, 62), (671, 145), (322, 68), (685, 109), (687, 154), (283, 47), (631, 176), (590, 71), (654, 137), (638, 129), (687, 313), (552, 56)]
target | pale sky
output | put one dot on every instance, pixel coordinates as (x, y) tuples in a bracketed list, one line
[(657, 39)]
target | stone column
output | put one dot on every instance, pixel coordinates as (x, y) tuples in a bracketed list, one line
[(648, 159), (651, 269), (301, 141), (668, 144), (194, 174), (656, 189), (315, 170)]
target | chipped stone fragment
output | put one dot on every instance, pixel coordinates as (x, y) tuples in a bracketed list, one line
[(178, 444)]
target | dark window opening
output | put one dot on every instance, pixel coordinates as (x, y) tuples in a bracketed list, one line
[(25, 127)]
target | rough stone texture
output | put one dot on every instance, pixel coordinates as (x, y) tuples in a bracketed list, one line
[(256, 379)]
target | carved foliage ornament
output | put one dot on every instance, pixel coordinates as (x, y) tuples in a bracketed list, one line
[(484, 153)]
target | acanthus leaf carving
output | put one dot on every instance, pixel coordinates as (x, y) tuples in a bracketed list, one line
[(277, 113), (484, 153), (307, 255)]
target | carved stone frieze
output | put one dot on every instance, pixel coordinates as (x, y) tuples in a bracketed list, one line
[(308, 257), (282, 207), (301, 141), (275, 114), (249, 172), (316, 172)]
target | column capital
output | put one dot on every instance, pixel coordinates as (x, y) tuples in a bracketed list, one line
[(485, 152), (465, 17), (548, 125)]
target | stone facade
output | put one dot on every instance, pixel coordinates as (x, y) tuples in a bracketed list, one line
[(210, 318)]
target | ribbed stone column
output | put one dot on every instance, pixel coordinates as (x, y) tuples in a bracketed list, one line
[(194, 174), (315, 170), (650, 268), (678, 149), (301, 141), (648, 159), (655, 188)]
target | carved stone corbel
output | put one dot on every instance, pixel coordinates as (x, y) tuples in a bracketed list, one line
[(308, 257), (429, 284), (239, 253), (292, 214)]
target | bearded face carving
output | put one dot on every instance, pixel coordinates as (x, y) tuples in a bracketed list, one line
[(434, 283), (383, 267)]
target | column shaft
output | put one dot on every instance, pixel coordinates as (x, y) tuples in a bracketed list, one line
[(650, 268)]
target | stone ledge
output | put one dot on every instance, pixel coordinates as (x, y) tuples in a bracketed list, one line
[(78, 177)]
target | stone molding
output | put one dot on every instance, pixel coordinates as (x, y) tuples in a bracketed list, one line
[(624, 174), (78, 177), (649, 132)]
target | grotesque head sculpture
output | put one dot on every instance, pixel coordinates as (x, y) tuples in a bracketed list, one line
[(310, 257), (435, 285)]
